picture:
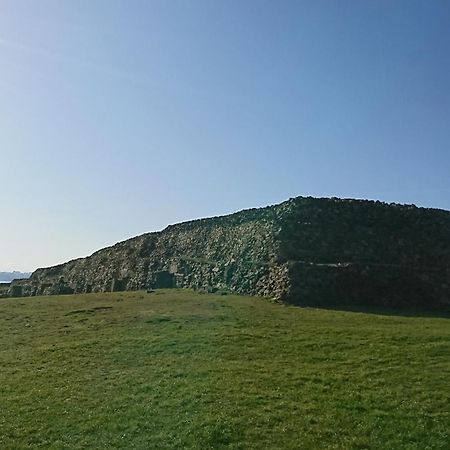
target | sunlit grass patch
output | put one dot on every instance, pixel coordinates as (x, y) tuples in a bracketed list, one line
[(175, 369)]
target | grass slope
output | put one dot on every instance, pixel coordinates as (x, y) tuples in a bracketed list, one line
[(179, 370)]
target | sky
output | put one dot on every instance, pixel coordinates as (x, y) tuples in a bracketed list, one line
[(121, 117)]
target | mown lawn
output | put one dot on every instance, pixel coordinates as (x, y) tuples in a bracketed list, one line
[(179, 370)]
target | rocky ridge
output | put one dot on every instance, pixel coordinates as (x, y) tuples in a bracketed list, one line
[(304, 251)]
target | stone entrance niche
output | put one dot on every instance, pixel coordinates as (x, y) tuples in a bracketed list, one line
[(119, 285), (163, 280), (16, 291)]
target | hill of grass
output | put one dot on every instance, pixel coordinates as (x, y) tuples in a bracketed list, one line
[(179, 370)]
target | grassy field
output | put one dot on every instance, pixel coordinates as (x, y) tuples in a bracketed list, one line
[(179, 370)]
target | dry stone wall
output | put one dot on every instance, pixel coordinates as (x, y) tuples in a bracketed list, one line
[(305, 251)]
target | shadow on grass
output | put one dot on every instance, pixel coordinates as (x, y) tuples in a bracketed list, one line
[(411, 311)]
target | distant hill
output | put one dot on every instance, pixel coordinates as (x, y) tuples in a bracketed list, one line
[(305, 251), (6, 277)]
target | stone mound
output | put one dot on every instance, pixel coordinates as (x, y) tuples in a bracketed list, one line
[(304, 251)]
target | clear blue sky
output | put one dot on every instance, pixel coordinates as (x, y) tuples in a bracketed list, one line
[(120, 117)]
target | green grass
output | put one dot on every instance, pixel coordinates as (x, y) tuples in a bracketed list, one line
[(179, 370)]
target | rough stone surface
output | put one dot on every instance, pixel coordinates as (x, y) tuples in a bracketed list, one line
[(304, 251), (4, 289)]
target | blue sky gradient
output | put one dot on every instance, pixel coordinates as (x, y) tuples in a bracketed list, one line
[(118, 118)]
